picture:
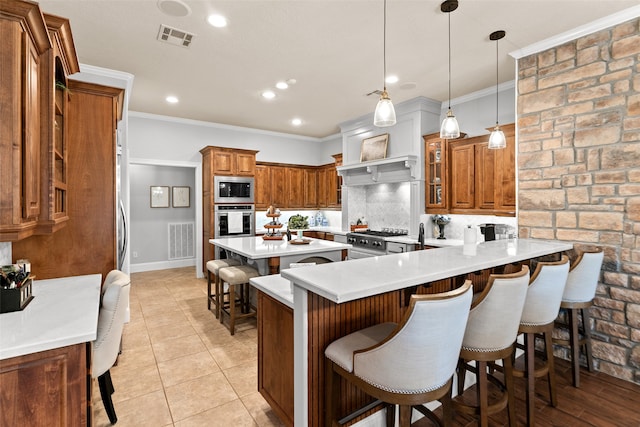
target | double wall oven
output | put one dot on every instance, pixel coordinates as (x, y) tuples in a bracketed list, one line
[(234, 208), (371, 243)]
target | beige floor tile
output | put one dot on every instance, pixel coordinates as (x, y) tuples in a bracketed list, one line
[(260, 410), (192, 397), (165, 318), (186, 368), (130, 382), (133, 337), (230, 414), (228, 357), (136, 357), (243, 378), (182, 346), (171, 331), (150, 409)]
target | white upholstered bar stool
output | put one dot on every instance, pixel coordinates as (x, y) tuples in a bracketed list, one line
[(406, 364), (237, 277), (111, 319), (491, 331), (217, 297), (538, 316), (579, 292)]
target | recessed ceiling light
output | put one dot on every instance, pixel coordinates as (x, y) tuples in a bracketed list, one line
[(391, 79), (171, 99), (174, 7), (282, 85), (217, 21), (268, 94), (296, 121)]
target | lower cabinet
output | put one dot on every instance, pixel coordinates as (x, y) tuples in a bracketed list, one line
[(275, 356), (48, 388)]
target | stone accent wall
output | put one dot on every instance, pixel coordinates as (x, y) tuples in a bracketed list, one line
[(579, 173)]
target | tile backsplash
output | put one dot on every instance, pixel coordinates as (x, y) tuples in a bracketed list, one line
[(381, 205), (5, 253), (455, 229)]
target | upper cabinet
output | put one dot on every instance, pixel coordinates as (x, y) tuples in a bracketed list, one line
[(232, 161), (464, 176), (34, 53)]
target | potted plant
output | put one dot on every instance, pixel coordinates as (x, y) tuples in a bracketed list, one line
[(298, 223)]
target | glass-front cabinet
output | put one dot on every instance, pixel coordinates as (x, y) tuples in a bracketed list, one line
[(436, 173)]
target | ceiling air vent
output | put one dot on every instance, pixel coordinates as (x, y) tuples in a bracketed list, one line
[(174, 36)]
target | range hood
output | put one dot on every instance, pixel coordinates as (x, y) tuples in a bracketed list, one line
[(396, 169)]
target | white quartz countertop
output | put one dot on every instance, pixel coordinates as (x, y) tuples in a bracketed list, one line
[(63, 312), (345, 281), (276, 287), (323, 228), (257, 248)]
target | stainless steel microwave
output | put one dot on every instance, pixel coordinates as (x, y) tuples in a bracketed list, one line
[(233, 189)]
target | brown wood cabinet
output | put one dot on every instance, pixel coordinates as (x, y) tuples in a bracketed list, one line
[(262, 192), (295, 187), (231, 161), (87, 244), (464, 176), (47, 388), (311, 188), (279, 187), (24, 42)]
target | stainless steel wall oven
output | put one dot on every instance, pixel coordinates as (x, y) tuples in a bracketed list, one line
[(233, 189)]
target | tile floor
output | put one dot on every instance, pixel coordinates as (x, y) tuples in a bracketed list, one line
[(179, 366)]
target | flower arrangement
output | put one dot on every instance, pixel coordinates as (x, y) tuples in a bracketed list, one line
[(298, 222)]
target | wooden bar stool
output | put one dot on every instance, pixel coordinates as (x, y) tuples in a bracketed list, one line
[(582, 283), (237, 276), (491, 331), (217, 296), (407, 364), (538, 315)]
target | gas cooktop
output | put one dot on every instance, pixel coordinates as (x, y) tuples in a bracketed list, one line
[(383, 233)]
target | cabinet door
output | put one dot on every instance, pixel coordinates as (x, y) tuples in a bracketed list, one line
[(295, 178), (435, 172), (485, 168), (31, 140), (506, 173), (245, 164), (223, 163), (262, 192), (310, 188), (462, 159), (322, 187), (333, 188), (278, 178)]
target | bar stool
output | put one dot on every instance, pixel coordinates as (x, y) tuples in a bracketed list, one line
[(540, 310), (406, 364), (218, 296), (578, 295), (237, 276), (491, 331)]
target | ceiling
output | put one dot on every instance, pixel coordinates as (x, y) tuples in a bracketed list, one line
[(332, 48)]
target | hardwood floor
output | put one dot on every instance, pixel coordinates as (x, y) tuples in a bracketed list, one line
[(180, 367)]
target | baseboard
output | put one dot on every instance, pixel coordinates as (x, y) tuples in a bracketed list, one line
[(162, 265)]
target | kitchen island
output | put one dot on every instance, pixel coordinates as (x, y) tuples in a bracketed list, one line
[(331, 301), (269, 255), (45, 354)]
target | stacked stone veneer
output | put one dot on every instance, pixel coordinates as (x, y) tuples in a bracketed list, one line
[(579, 173)]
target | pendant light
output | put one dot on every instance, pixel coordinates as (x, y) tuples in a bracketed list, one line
[(497, 139), (449, 128), (385, 114)]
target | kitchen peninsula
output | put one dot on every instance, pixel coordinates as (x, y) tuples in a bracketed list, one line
[(331, 301), (269, 255)]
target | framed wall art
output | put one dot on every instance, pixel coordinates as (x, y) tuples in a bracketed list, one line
[(159, 196), (374, 148), (181, 197)]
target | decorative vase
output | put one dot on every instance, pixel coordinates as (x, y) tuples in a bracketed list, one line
[(300, 234)]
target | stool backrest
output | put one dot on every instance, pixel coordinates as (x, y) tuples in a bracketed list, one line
[(495, 315), (111, 320), (545, 291), (422, 352), (583, 277)]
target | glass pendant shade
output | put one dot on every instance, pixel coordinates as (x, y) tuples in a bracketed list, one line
[(450, 128), (385, 114), (497, 139)]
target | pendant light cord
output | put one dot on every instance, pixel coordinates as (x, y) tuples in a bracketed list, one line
[(449, 16), (384, 48), (497, 82)]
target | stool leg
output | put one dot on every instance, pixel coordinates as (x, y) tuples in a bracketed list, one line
[(551, 374), (405, 415), (530, 370), (509, 384), (447, 409), (482, 387), (220, 298), (232, 308), (574, 340), (209, 290), (586, 325), (462, 372), (391, 415)]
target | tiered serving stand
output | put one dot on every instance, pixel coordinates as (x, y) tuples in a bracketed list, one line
[(273, 232)]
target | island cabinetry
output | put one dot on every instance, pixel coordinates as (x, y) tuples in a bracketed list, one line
[(232, 161), (87, 244), (46, 388), (24, 41), (275, 356)]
